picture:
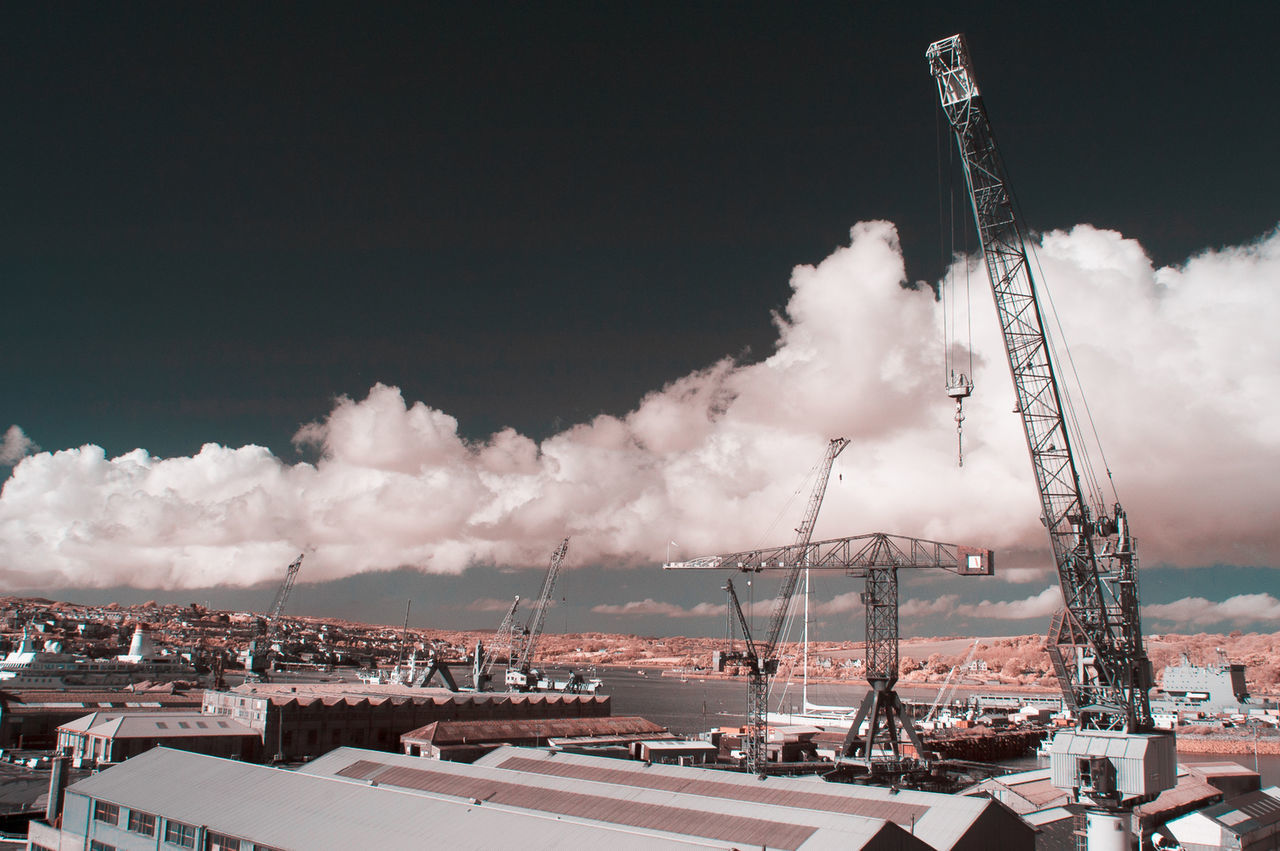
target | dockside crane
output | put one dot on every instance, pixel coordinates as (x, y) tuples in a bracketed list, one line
[(760, 659), (1114, 758), (876, 558), (258, 659), (505, 637), (520, 673)]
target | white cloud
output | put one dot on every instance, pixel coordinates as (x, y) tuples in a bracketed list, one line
[(15, 445), (488, 604), (1039, 605), (1178, 362), (1242, 608), (649, 606)]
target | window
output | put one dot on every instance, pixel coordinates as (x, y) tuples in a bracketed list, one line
[(218, 842), (140, 822), (182, 835), (95, 845), (106, 813)]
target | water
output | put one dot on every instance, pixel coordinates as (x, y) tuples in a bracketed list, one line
[(696, 705)]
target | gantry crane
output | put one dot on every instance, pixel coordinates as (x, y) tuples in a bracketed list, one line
[(877, 558), (1095, 642), (520, 673), (258, 661)]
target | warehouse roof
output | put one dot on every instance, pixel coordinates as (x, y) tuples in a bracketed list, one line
[(780, 812), (484, 731), (286, 809), (943, 821), (157, 725)]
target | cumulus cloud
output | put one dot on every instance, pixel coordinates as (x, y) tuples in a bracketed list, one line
[(1240, 609), (1178, 362), (488, 604), (15, 445), (1039, 605), (649, 606)]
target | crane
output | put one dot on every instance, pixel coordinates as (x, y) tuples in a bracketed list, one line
[(259, 662), (877, 558), (504, 637), (1095, 641), (944, 695), (520, 673), (761, 658)]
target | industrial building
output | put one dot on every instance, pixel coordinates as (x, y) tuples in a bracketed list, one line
[(466, 741), (103, 738), (371, 799), (1249, 822), (30, 719), (303, 721)]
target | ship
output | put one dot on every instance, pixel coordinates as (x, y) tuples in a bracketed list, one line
[(30, 667), (1213, 689)]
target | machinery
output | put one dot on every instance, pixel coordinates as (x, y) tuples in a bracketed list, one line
[(258, 656), (760, 659), (483, 659), (520, 673), (876, 753), (1113, 759)]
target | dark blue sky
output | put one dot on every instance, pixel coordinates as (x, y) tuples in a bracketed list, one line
[(219, 217)]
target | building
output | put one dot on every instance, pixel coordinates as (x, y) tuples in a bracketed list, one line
[(466, 741), (103, 738), (30, 719), (1249, 822), (1032, 795), (369, 799), (304, 721), (779, 812)]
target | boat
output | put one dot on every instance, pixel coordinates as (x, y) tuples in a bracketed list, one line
[(29, 667)]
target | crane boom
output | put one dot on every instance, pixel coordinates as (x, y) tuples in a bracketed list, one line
[(282, 595), (518, 671), (787, 591), (1095, 641), (1097, 644)]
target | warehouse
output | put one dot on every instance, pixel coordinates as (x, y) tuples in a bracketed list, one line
[(566, 784), (304, 720), (196, 801)]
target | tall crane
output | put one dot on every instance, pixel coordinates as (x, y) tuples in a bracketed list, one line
[(761, 658), (520, 673), (505, 637), (877, 558), (1095, 642), (258, 661)]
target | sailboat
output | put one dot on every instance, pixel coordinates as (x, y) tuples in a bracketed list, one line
[(812, 714)]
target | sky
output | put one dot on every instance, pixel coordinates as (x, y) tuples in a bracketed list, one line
[(419, 290)]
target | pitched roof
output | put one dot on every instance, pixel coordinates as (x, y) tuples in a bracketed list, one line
[(288, 809)]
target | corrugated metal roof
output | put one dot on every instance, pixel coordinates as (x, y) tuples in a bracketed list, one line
[(291, 810), (518, 729), (773, 800), (683, 820), (1246, 813), (168, 725), (941, 820), (777, 794)]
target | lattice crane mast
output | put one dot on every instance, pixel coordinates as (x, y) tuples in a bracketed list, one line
[(258, 659), (505, 637), (520, 673), (877, 558), (1095, 642), (761, 658)]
